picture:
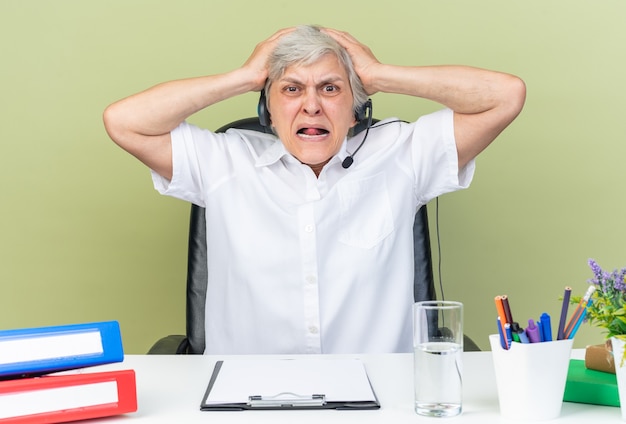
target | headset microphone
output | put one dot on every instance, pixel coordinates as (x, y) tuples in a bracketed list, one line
[(347, 162), (367, 107)]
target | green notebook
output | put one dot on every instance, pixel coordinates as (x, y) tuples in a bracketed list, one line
[(590, 386)]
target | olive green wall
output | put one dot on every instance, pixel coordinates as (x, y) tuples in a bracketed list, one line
[(85, 237)]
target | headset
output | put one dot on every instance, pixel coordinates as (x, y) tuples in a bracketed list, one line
[(364, 122), (262, 111), (363, 116)]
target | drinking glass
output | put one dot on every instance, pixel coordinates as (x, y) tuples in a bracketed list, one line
[(438, 351)]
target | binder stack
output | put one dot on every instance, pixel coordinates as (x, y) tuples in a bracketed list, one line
[(44, 376)]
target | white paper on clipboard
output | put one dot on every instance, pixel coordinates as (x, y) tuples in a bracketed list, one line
[(340, 381)]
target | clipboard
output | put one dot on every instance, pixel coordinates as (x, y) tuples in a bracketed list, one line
[(278, 384)]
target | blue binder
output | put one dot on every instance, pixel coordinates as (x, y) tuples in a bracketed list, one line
[(37, 351)]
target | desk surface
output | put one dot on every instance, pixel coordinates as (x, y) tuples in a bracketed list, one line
[(170, 388)]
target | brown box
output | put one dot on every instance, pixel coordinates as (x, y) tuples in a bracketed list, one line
[(599, 358)]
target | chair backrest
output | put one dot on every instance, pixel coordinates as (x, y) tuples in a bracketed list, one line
[(197, 272)]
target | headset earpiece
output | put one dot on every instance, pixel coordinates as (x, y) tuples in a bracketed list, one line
[(364, 121), (263, 112), (363, 116), (362, 112)]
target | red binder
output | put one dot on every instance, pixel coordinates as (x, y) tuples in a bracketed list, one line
[(67, 397)]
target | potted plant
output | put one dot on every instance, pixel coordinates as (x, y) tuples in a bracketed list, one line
[(607, 310)]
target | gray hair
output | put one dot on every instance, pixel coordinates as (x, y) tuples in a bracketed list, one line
[(305, 45)]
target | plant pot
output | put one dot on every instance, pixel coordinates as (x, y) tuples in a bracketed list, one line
[(620, 372)]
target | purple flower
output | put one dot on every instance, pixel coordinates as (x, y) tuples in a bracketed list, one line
[(606, 308), (613, 283), (619, 280), (597, 272)]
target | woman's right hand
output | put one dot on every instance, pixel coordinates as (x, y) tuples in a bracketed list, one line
[(257, 64)]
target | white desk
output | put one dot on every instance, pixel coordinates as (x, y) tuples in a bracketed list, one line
[(170, 388)]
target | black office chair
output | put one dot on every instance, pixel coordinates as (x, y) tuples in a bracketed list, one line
[(197, 272)]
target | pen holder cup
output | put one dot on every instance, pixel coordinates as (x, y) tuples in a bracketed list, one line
[(531, 378)]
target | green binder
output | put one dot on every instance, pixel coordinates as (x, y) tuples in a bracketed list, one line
[(590, 386)]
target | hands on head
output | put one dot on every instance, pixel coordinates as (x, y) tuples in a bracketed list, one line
[(484, 102), (362, 58)]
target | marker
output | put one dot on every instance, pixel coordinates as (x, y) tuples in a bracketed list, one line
[(532, 331), (515, 332), (509, 335), (566, 295), (522, 336), (546, 329), (519, 334), (501, 333)]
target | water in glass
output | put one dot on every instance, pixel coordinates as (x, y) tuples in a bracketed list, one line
[(438, 383)]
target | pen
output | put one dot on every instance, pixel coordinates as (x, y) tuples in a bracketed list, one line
[(546, 327), (540, 329), (566, 296)]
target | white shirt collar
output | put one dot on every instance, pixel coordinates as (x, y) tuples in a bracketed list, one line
[(277, 151)]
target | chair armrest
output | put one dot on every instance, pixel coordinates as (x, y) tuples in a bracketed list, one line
[(170, 345), (469, 345)]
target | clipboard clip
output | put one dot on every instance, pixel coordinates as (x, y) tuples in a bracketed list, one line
[(287, 400)]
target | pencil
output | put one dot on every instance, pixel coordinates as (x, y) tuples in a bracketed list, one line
[(566, 296), (507, 309), (580, 320), (582, 305), (502, 315)]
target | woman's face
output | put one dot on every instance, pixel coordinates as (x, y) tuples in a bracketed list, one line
[(311, 110)]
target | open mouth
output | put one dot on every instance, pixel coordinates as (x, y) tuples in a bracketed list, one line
[(312, 132)]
